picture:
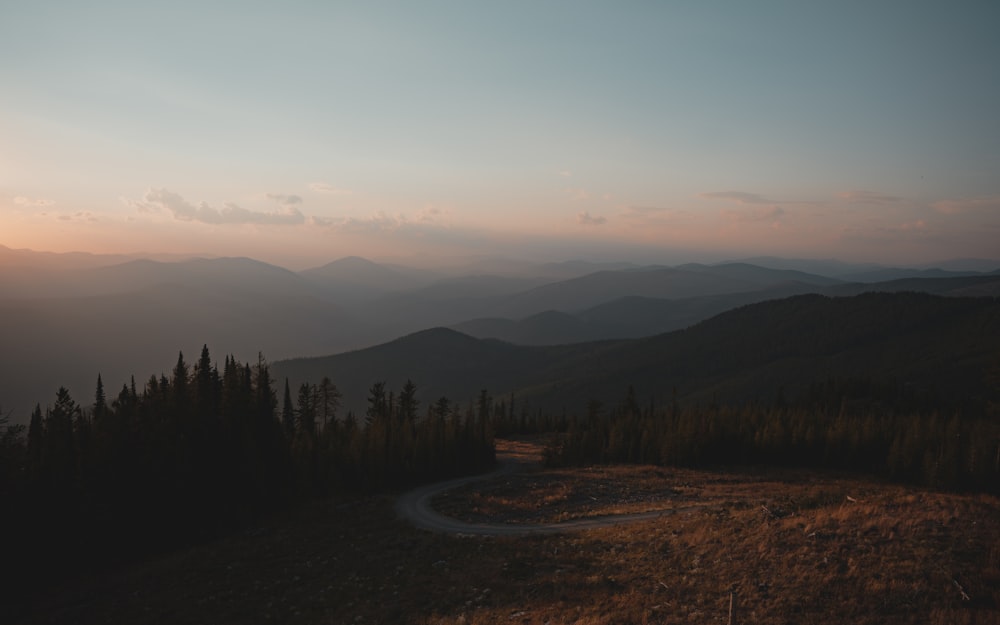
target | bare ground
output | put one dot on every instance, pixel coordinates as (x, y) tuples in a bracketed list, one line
[(787, 547)]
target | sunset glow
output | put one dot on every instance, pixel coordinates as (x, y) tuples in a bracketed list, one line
[(306, 132)]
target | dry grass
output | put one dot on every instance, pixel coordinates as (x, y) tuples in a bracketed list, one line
[(794, 548)]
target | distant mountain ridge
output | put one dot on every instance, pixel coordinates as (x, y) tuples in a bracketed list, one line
[(938, 344), (64, 318), (636, 316)]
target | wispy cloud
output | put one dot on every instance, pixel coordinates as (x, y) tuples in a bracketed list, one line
[(430, 214), (374, 224), (285, 200), (771, 214), (637, 211), (751, 199), (156, 200), (565, 173), (577, 194), (78, 216), (740, 197), (642, 216), (868, 197), (427, 222), (877, 233), (586, 219), (960, 206), (34, 203), (325, 187)]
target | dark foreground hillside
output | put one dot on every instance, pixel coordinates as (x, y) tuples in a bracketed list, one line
[(783, 547)]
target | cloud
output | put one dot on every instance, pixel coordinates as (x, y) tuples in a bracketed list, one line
[(585, 219), (637, 211), (868, 197), (917, 230), (752, 199), (578, 194), (379, 223), (565, 173), (990, 204), (24, 201), (323, 222), (140, 206), (285, 200), (156, 200), (772, 214), (375, 224), (325, 187), (430, 214), (643, 216), (78, 216), (425, 221), (740, 197)]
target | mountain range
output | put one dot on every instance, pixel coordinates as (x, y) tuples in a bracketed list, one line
[(942, 349), (68, 317)]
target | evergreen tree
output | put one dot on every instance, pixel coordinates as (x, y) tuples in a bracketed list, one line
[(36, 435), (59, 455), (378, 408), (288, 412), (266, 402), (307, 411), (179, 381), (100, 400), (206, 383), (485, 404), (329, 400), (408, 403)]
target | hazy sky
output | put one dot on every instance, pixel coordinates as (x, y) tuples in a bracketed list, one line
[(300, 132)]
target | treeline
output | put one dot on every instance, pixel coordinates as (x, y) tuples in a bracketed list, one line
[(201, 451), (871, 436)]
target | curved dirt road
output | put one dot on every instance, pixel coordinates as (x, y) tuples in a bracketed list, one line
[(415, 506)]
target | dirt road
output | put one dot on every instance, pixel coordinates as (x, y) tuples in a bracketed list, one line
[(415, 506)]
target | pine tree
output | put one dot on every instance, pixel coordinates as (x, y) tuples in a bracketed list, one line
[(36, 434), (266, 401), (329, 400), (205, 380), (307, 411), (100, 400), (288, 412), (59, 452), (408, 403), (378, 409), (179, 381)]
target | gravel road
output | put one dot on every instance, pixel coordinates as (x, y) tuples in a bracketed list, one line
[(415, 506)]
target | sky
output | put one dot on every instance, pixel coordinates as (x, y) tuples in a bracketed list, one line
[(301, 132)]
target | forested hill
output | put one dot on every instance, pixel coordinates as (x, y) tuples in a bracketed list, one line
[(441, 362), (940, 348), (934, 348)]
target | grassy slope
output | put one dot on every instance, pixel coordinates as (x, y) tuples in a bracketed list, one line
[(792, 546)]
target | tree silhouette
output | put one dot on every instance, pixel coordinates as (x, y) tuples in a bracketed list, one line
[(288, 412), (329, 401)]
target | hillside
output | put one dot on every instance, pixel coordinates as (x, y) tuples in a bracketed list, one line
[(632, 316), (937, 345), (793, 547), (636, 316), (69, 341), (69, 317), (441, 362), (931, 344)]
